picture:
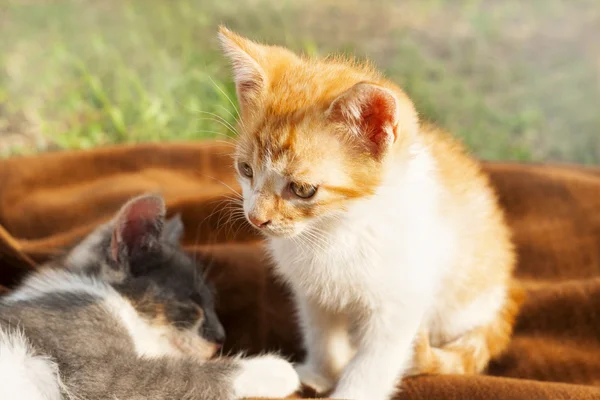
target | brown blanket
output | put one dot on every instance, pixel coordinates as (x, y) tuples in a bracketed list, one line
[(48, 202)]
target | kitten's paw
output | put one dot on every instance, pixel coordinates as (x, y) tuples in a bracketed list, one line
[(349, 395), (266, 376), (313, 379)]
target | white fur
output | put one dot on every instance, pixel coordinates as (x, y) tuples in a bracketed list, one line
[(57, 280), (265, 376), (372, 271), (148, 340), (448, 319), (326, 362), (25, 375)]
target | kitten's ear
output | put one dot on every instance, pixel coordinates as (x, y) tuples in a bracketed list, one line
[(137, 226), (371, 114), (245, 57), (174, 230)]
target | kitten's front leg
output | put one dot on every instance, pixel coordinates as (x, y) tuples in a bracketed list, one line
[(327, 344), (384, 353), (164, 378)]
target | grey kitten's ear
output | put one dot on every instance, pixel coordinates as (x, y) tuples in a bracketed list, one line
[(174, 230), (138, 226)]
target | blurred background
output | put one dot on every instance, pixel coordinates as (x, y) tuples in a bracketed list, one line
[(517, 80)]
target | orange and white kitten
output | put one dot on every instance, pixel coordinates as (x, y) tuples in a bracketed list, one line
[(388, 234)]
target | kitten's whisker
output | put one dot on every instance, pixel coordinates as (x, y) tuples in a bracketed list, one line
[(224, 219), (244, 223), (224, 121), (216, 210), (227, 199), (218, 117), (235, 208), (232, 208), (316, 238), (315, 244), (322, 245), (236, 198), (224, 215), (228, 112), (228, 127), (223, 183), (227, 96), (318, 232), (225, 143), (308, 240)]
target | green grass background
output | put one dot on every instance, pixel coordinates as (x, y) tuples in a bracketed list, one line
[(515, 79)]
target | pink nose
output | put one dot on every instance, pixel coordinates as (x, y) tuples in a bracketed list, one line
[(258, 222)]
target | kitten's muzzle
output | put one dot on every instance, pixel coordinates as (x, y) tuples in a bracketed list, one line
[(214, 333), (257, 222)]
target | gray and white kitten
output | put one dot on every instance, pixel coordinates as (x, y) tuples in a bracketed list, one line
[(125, 315)]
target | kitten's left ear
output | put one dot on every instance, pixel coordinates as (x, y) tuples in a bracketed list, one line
[(137, 227), (245, 56), (371, 114)]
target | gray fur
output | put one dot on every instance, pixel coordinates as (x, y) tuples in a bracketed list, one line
[(94, 352), (96, 358), (174, 230)]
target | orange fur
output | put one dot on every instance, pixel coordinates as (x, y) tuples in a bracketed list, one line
[(471, 352), (288, 121)]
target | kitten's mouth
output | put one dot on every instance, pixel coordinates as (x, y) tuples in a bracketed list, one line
[(275, 233), (271, 229), (289, 235)]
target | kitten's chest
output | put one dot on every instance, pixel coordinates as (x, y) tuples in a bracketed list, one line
[(394, 258), (335, 272)]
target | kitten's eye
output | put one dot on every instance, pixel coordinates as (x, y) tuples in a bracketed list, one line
[(303, 190), (245, 169)]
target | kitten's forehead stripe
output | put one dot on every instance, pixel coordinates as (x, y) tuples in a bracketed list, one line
[(285, 144), (273, 143)]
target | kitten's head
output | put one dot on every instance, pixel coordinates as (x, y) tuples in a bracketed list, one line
[(138, 253), (315, 134)]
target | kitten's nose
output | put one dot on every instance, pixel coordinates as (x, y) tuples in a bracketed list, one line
[(258, 222), (214, 334), (220, 339)]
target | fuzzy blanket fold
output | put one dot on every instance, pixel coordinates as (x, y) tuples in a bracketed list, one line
[(49, 201)]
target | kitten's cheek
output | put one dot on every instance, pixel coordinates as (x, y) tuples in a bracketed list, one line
[(247, 207), (300, 225), (297, 228)]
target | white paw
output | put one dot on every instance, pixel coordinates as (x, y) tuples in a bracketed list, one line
[(266, 376), (313, 379), (346, 396)]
